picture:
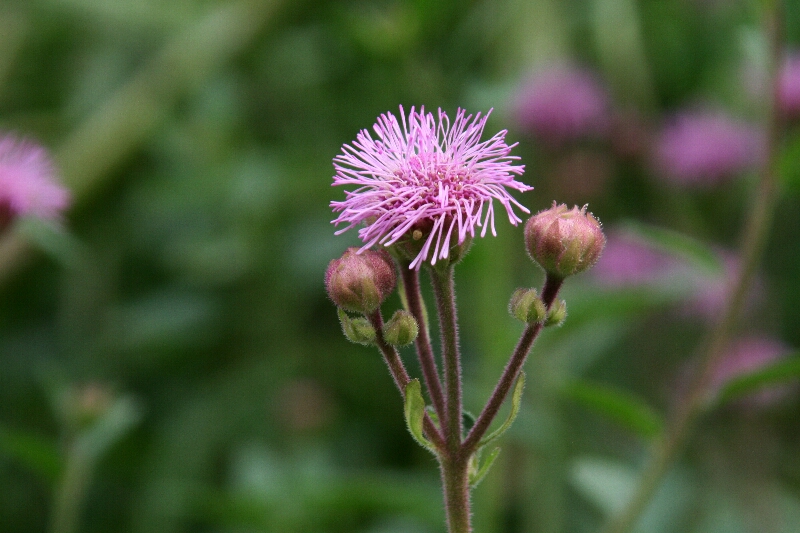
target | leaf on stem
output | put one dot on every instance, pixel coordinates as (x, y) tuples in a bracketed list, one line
[(777, 373), (622, 407), (516, 401), (476, 474), (415, 414)]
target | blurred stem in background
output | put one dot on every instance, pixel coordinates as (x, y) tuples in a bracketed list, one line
[(93, 420), (126, 120), (754, 237)]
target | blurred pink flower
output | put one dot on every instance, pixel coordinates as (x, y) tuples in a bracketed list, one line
[(422, 174), (706, 147), (27, 182), (563, 103), (789, 86), (713, 290), (630, 261), (748, 355)]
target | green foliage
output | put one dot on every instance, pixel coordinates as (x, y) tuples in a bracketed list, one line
[(415, 413), (196, 137), (620, 406)]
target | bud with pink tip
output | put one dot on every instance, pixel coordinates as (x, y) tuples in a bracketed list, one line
[(360, 282), (564, 241)]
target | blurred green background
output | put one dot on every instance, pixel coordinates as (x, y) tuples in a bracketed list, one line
[(177, 326)]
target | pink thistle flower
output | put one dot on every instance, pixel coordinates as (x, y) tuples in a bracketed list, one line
[(705, 148), (27, 182), (423, 175)]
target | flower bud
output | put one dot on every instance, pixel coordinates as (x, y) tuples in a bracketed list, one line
[(360, 282), (556, 314), (401, 329), (525, 305), (564, 241), (357, 330)]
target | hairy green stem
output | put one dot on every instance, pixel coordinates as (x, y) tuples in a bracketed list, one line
[(423, 341), (454, 462), (512, 370), (754, 239), (455, 480), (443, 288)]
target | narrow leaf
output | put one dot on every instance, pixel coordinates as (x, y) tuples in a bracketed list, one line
[(516, 401), (624, 408), (415, 414), (777, 373), (477, 476), (691, 250)]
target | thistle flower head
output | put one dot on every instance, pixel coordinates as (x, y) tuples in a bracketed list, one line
[(426, 180), (27, 182)]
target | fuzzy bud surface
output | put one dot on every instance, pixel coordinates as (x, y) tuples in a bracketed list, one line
[(402, 329), (564, 241), (360, 282), (526, 306)]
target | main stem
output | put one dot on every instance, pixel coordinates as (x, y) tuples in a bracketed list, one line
[(443, 288), (71, 489), (754, 239), (455, 460)]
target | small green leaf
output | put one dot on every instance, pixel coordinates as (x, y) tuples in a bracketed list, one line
[(516, 401), (477, 475), (415, 414), (623, 407), (468, 419), (777, 373)]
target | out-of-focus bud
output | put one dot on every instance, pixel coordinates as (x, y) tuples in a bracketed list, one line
[(83, 406), (564, 241), (556, 314), (525, 305), (402, 329), (357, 330), (360, 282)]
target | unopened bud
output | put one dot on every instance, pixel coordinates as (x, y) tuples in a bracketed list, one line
[(564, 241), (360, 282), (401, 329), (357, 330), (525, 305), (556, 314)]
